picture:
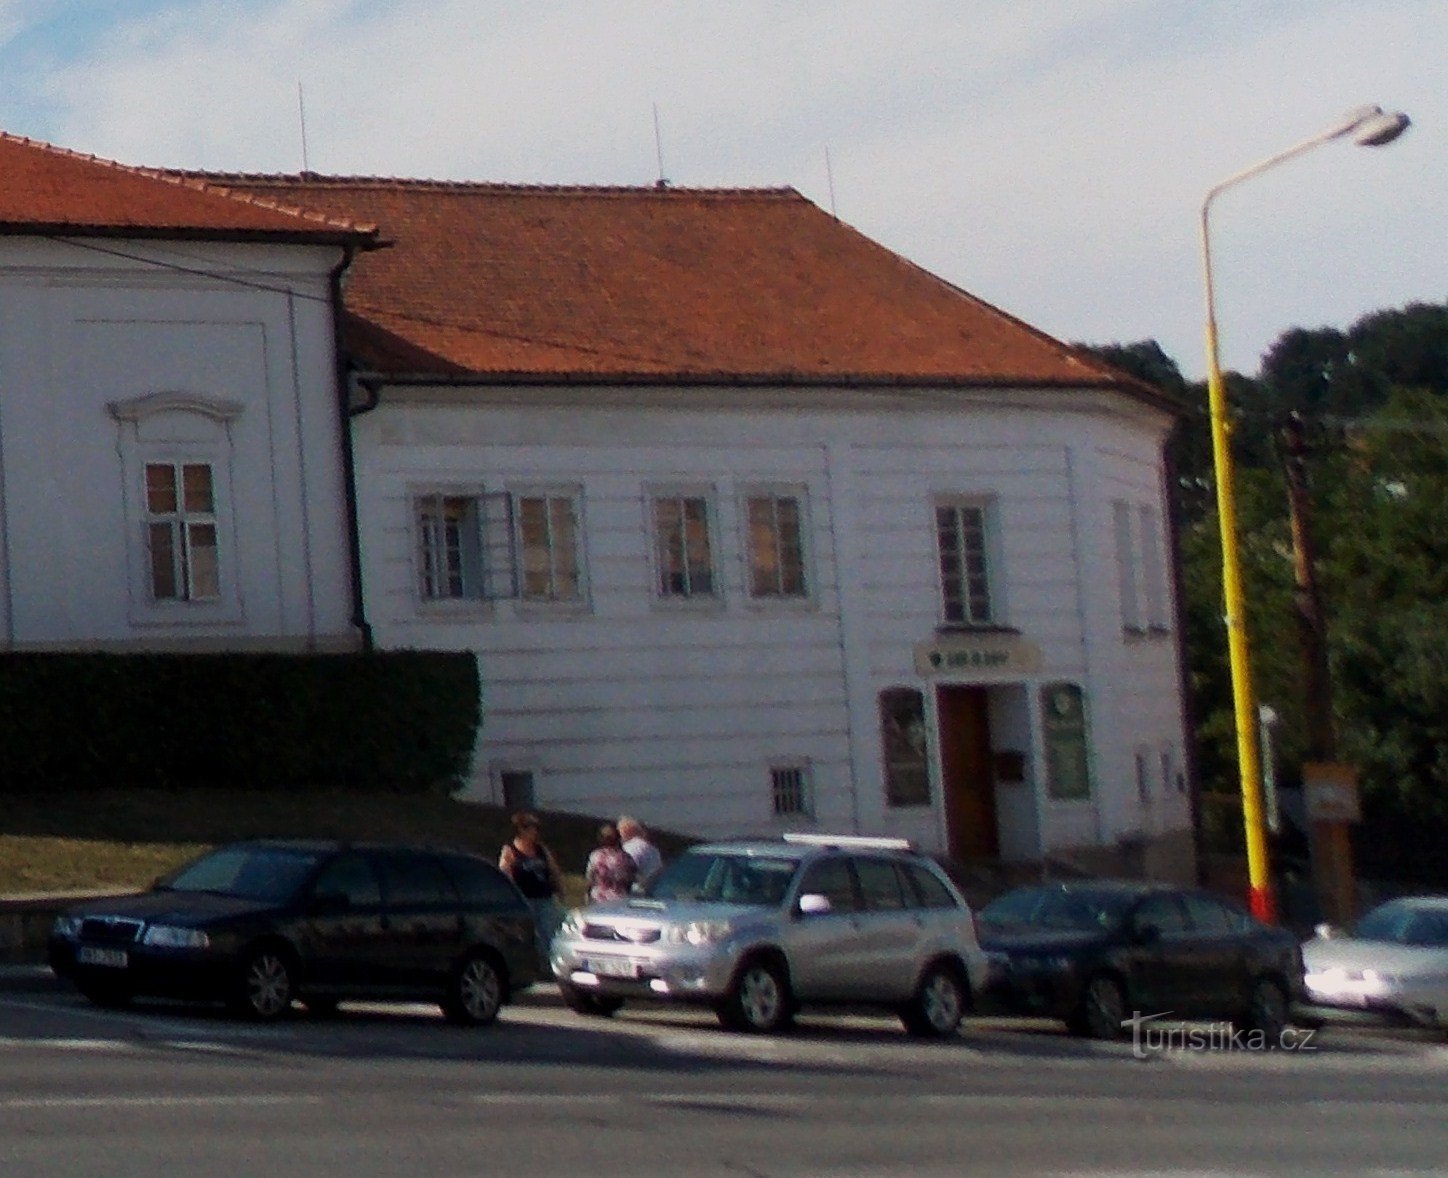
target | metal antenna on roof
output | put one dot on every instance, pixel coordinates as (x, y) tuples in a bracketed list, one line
[(659, 148), (830, 176), (302, 118)]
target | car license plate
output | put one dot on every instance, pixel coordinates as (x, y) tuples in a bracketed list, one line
[(612, 967), (111, 958)]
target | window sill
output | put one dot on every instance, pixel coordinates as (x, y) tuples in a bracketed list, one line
[(974, 628)]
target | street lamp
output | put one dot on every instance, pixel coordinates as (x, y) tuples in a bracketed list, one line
[(1369, 126)]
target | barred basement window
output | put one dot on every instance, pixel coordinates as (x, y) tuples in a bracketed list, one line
[(789, 785)]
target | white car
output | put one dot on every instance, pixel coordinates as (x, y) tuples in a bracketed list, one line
[(755, 929), (1392, 967)]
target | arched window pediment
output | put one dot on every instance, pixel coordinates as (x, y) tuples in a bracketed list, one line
[(139, 409)]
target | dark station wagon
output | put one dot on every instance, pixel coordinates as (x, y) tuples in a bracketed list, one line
[(260, 924)]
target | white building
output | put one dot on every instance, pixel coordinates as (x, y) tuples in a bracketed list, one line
[(171, 473), (755, 525), (752, 524)]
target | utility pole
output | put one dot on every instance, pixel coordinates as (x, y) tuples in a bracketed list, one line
[(1329, 788)]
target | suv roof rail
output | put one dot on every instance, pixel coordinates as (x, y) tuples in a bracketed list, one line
[(851, 841)]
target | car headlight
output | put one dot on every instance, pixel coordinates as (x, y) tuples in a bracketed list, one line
[(699, 932), (170, 936), (66, 926)]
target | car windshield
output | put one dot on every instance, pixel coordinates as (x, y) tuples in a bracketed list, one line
[(252, 873), (1404, 924), (707, 877), (1054, 909)]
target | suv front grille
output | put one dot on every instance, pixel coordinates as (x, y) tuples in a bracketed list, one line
[(110, 930), (626, 936)]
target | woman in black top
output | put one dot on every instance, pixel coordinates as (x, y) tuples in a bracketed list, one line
[(528, 862)]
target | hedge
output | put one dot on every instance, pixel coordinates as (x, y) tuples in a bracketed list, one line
[(398, 721)]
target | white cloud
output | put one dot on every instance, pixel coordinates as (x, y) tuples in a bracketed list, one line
[(1050, 158)]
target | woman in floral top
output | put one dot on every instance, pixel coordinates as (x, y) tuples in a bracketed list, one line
[(610, 871)]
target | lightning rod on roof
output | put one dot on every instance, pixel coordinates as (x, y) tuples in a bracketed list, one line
[(830, 176), (659, 148), (302, 119)]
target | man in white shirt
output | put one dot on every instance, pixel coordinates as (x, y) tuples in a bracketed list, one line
[(645, 855)]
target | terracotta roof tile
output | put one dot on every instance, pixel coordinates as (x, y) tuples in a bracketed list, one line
[(507, 281), (46, 189)]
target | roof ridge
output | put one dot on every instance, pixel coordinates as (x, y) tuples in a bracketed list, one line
[(194, 181), (500, 186)]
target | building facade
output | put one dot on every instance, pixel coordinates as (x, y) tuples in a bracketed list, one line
[(752, 524)]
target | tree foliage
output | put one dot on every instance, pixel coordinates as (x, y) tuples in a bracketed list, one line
[(1374, 398)]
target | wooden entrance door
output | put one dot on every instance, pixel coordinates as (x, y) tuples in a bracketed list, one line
[(968, 786)]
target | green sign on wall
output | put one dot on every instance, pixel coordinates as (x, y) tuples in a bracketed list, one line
[(1063, 714)]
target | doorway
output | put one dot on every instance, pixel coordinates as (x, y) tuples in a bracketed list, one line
[(967, 780)]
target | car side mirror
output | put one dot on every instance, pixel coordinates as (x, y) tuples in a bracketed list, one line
[(329, 903), (814, 904), (1147, 934)]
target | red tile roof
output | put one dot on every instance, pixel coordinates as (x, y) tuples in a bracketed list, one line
[(49, 190), (501, 282)]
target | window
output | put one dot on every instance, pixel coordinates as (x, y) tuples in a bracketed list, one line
[(517, 788), (879, 885), (960, 531), (832, 879), (181, 532), (350, 876), (412, 880), (1163, 912), (481, 884), (933, 893), (683, 553), (776, 546), (548, 539), (902, 740), (789, 787), (1063, 722), (1126, 571), (1140, 568), (464, 547), (1208, 916), (1143, 776), (1153, 569), (449, 530)]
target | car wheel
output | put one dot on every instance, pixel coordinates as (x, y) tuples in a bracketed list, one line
[(264, 985), (110, 995), (1102, 1010), (759, 999), (935, 1009), (595, 1005), (475, 992), (1267, 1011)]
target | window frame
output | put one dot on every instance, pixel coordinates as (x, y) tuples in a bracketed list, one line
[(179, 429), (989, 558), (775, 494), (803, 790), (180, 523), (683, 493), (493, 575), (550, 494), (895, 797)]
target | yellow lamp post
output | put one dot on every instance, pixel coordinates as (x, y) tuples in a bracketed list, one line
[(1369, 126)]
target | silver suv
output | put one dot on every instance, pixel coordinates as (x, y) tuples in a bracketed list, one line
[(756, 929)]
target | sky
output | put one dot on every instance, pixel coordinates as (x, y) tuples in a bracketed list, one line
[(1049, 156)]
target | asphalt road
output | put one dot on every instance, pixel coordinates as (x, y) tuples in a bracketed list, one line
[(386, 1090)]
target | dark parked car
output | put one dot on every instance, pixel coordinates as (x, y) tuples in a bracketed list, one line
[(258, 924), (1092, 953)]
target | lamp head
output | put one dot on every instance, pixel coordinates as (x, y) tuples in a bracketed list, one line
[(1380, 128)]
